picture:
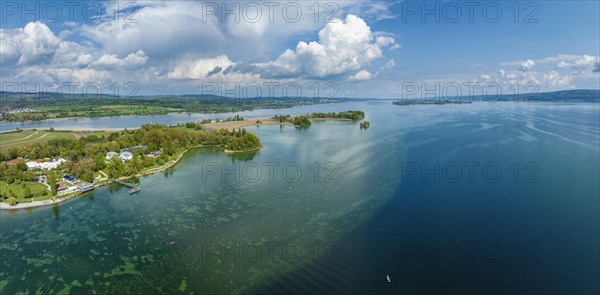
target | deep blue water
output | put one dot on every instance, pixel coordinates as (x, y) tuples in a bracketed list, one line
[(534, 234)]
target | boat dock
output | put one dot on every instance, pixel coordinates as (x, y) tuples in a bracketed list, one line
[(134, 187)]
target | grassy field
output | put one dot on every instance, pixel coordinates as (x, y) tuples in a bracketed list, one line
[(16, 190), (27, 137), (23, 138)]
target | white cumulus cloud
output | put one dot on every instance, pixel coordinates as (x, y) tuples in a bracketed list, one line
[(35, 43), (583, 62), (111, 61), (201, 68), (362, 75), (527, 65), (344, 47)]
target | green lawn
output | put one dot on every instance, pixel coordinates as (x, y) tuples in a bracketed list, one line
[(16, 190)]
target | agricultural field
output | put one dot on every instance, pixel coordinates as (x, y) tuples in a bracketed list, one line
[(104, 111), (27, 137)]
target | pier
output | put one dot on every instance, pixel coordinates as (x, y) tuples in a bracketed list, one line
[(134, 187)]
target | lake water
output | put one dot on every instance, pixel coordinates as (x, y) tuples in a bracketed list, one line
[(484, 198), (108, 123)]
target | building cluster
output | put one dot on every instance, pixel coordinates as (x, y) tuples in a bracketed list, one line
[(47, 165), (134, 149), (71, 184), (20, 110), (127, 153)]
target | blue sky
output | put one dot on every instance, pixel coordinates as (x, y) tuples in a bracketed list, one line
[(368, 49)]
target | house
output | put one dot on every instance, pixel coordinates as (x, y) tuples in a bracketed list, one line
[(33, 165), (126, 156), (14, 162), (154, 154), (111, 155), (85, 186), (69, 179), (135, 148), (61, 187)]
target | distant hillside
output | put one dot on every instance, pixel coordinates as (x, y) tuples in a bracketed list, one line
[(580, 95)]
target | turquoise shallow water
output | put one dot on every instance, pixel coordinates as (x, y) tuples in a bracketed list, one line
[(333, 208)]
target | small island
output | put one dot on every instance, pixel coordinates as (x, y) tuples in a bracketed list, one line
[(303, 121), (365, 125)]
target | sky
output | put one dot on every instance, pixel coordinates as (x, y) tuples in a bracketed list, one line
[(324, 49)]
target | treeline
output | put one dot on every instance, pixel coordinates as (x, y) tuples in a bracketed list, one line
[(298, 121), (234, 118), (16, 117), (301, 121), (87, 155), (352, 115)]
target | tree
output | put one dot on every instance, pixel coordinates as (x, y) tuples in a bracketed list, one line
[(99, 162), (302, 121), (115, 168), (12, 201), (136, 162), (27, 193), (51, 180), (168, 147), (21, 166), (84, 169)]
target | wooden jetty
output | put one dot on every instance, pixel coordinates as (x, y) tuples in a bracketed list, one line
[(134, 188)]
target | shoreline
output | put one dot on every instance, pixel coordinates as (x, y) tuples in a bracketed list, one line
[(227, 151), (33, 204)]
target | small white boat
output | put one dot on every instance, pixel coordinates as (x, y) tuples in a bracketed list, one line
[(388, 279)]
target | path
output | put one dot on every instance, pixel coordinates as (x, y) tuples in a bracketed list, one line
[(20, 141)]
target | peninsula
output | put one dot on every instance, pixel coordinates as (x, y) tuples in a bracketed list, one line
[(44, 167)]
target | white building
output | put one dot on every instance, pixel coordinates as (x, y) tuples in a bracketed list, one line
[(111, 155), (126, 156), (45, 165)]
